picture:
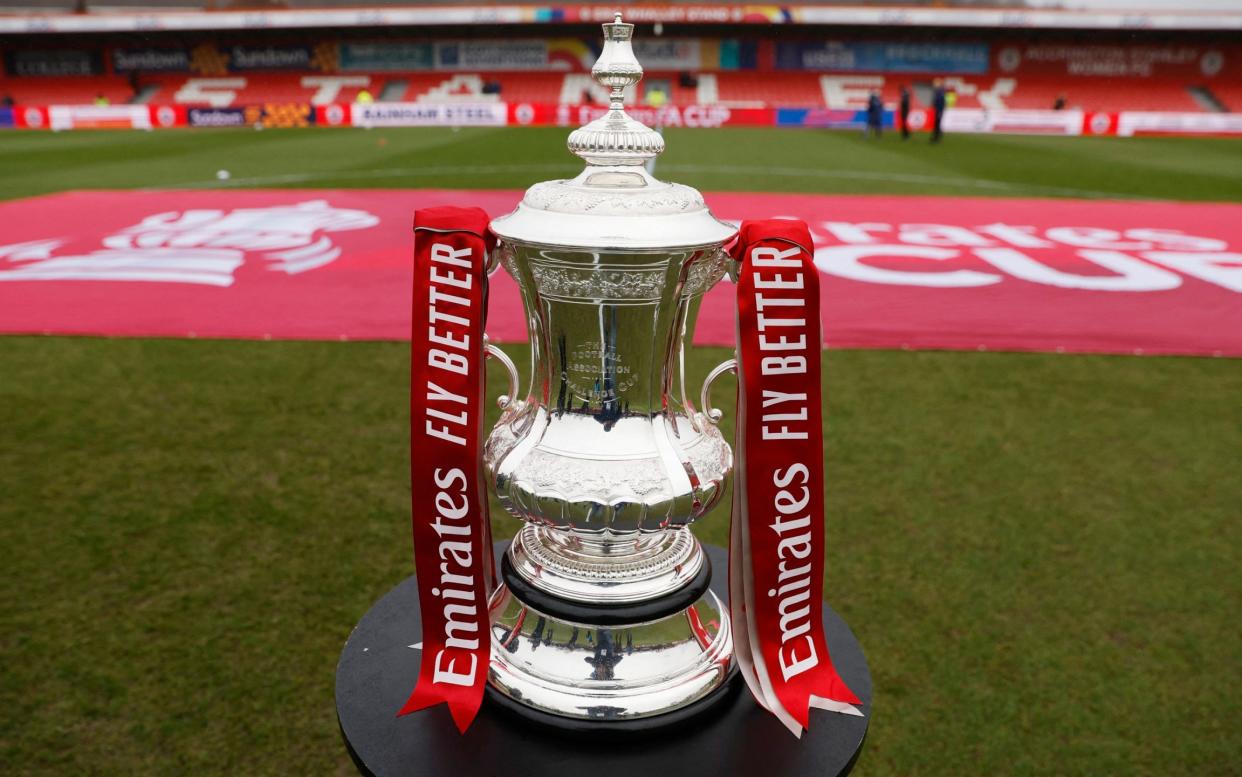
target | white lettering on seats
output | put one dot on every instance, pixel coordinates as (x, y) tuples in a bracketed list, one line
[(216, 92)]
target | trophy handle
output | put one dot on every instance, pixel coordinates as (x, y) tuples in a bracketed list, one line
[(494, 258), (714, 415), (492, 352)]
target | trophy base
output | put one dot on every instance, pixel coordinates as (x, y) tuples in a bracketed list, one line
[(695, 712), (379, 667), (581, 664)]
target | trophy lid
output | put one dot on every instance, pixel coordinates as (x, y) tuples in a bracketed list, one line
[(614, 202)]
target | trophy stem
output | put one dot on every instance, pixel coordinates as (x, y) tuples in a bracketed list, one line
[(581, 569)]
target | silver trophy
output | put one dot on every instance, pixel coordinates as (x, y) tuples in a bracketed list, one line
[(604, 611)]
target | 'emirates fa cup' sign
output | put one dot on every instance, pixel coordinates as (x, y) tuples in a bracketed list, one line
[(608, 458)]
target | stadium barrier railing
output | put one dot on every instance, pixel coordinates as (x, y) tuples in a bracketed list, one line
[(499, 114)]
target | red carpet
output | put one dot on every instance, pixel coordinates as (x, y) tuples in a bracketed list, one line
[(917, 272)]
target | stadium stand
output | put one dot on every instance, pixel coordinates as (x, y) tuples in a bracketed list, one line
[(991, 71), (731, 89)]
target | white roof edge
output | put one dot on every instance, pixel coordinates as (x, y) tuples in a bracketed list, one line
[(1019, 18)]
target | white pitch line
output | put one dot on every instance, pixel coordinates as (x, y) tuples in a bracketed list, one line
[(870, 175), (391, 172), (568, 170)]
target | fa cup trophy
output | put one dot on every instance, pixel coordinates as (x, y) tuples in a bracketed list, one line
[(604, 610), (603, 616)]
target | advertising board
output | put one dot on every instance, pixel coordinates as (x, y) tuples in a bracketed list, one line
[(492, 55), (1017, 122), (52, 62), (150, 60), (538, 54), (246, 58), (280, 115), (892, 57), (899, 272), (825, 118), (1071, 60), (429, 114), (386, 56), (696, 116), (1154, 123), (216, 117), (67, 117)]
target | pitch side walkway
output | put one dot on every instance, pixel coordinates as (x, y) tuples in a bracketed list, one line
[(899, 272)]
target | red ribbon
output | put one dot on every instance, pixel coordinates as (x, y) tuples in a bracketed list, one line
[(452, 534), (776, 557)]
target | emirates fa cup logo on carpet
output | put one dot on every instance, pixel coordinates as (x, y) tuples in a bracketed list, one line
[(195, 246)]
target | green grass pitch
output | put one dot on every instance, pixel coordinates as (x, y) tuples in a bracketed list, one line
[(1039, 553), (732, 159)]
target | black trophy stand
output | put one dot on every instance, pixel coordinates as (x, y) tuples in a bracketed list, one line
[(734, 736)]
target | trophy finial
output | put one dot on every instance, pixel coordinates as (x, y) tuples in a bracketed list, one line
[(615, 138), (617, 67)]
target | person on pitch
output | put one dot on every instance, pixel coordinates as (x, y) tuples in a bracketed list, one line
[(903, 112), (875, 115), (939, 100)]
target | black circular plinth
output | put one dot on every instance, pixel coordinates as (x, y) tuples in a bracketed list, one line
[(379, 666), (606, 614)]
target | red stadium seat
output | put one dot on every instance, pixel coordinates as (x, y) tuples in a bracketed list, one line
[(1026, 86), (780, 89), (36, 90), (251, 88), (1103, 94), (734, 89)]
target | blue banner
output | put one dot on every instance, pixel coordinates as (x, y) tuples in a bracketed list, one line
[(267, 115), (150, 60), (387, 56), (217, 117), (6, 118), (243, 58), (871, 57), (52, 62), (827, 118)]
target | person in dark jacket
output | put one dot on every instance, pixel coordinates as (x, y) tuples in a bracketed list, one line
[(875, 114), (938, 104), (903, 110)]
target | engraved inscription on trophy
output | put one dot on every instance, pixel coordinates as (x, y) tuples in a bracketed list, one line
[(589, 283), (597, 374), (705, 272)]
